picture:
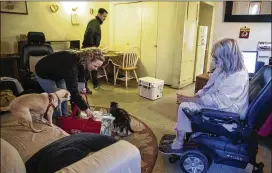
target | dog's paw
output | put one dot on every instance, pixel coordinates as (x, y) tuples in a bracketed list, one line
[(22, 123), (50, 124)]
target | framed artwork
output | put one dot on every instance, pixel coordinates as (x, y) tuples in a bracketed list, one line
[(14, 7)]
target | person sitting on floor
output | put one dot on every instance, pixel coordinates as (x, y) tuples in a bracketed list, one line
[(226, 90)]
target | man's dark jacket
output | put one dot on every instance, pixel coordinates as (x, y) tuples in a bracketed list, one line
[(92, 36)]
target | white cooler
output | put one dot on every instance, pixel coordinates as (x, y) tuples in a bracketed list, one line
[(150, 88)]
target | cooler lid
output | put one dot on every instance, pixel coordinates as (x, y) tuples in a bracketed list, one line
[(151, 80)]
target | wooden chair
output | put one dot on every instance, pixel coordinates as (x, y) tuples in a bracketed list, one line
[(104, 71), (130, 60)]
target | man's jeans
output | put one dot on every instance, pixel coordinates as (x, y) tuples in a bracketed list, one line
[(51, 86), (93, 73)]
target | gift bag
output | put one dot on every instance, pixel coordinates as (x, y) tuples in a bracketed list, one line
[(73, 124), (107, 124)]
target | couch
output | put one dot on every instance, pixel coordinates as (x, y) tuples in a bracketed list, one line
[(18, 144)]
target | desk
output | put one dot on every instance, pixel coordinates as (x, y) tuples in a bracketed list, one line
[(74, 44), (9, 64), (201, 81)]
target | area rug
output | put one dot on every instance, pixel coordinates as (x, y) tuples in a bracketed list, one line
[(144, 139)]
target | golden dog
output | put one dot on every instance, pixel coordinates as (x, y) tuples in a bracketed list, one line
[(41, 104)]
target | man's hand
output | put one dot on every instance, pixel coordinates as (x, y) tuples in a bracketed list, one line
[(89, 113)]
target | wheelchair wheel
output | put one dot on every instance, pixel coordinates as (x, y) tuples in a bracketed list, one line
[(194, 162)]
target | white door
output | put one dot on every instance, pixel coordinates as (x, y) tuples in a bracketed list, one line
[(166, 41), (147, 62), (127, 26)]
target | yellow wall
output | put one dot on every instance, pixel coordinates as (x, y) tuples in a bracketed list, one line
[(56, 26)]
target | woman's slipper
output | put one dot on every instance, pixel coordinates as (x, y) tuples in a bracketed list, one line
[(167, 149), (165, 142), (167, 139)]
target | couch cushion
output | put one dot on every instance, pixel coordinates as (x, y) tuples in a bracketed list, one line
[(24, 140), (11, 162)]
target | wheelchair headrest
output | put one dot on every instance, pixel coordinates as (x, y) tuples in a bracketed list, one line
[(35, 37), (260, 95), (36, 46)]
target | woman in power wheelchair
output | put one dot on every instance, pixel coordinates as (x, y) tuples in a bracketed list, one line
[(218, 124)]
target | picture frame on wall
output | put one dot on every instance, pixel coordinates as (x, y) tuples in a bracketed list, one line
[(14, 7)]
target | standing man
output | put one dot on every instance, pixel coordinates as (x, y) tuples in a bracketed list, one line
[(92, 38)]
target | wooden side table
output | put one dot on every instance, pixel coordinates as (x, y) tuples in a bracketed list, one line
[(201, 81)]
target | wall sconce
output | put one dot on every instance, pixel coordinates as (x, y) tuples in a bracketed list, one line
[(54, 8), (74, 9), (91, 11), (74, 16)]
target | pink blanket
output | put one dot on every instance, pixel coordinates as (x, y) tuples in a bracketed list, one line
[(266, 128)]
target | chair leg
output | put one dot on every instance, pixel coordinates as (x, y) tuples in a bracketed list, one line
[(116, 75), (105, 73), (126, 78), (135, 76)]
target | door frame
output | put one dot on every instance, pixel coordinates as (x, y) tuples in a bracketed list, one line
[(207, 61)]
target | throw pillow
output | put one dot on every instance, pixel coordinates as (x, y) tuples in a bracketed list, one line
[(6, 96), (66, 151)]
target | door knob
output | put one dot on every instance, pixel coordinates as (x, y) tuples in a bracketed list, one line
[(155, 45)]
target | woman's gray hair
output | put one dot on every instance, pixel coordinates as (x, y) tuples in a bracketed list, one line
[(228, 55)]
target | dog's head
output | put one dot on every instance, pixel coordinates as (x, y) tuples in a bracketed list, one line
[(63, 94)]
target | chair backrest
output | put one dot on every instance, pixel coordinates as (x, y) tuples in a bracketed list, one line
[(259, 65), (260, 98), (35, 48), (131, 57)]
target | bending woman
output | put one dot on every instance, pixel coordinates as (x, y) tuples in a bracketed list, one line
[(226, 90), (64, 70)]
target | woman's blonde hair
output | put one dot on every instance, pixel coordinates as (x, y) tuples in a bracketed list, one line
[(228, 55), (89, 55)]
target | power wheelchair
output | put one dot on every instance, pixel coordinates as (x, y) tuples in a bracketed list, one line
[(211, 142)]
